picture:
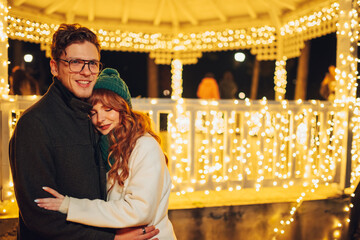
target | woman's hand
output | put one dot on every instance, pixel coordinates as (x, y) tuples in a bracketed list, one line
[(50, 203), (136, 233)]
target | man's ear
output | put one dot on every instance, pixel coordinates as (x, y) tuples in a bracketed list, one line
[(54, 68)]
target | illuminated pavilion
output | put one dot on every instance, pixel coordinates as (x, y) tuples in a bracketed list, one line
[(226, 152)]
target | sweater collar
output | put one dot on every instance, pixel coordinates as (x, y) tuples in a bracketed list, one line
[(76, 104)]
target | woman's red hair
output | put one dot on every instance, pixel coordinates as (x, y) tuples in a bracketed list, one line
[(132, 125)]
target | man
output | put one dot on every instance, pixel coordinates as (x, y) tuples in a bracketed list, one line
[(54, 144)]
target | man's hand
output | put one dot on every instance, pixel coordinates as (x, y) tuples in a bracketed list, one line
[(138, 233)]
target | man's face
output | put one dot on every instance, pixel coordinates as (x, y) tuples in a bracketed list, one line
[(80, 84)]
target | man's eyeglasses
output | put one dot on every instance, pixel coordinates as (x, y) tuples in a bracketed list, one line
[(77, 65)]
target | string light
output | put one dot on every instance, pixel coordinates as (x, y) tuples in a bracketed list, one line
[(188, 46), (176, 79), (261, 146), (306, 22), (213, 149), (232, 148), (4, 86), (280, 79), (350, 89)]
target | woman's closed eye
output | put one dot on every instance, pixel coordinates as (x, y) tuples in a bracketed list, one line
[(92, 113)]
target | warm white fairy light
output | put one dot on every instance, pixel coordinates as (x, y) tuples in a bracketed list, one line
[(187, 45), (4, 86), (176, 79), (306, 22), (226, 165), (346, 76), (8, 196), (167, 43), (347, 61), (285, 222), (322, 171), (267, 151), (280, 79)]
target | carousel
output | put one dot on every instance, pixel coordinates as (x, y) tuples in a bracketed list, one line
[(221, 152)]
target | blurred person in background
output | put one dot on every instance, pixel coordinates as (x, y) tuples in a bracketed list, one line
[(227, 86), (22, 83), (208, 87), (328, 84)]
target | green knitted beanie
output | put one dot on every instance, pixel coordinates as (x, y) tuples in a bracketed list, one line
[(110, 79)]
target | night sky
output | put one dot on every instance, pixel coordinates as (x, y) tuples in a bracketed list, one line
[(132, 67)]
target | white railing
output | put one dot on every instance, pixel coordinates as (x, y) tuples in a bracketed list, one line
[(227, 144)]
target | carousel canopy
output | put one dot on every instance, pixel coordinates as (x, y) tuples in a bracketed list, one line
[(165, 16), (179, 28)]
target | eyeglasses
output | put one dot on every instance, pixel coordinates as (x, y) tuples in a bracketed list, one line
[(77, 65)]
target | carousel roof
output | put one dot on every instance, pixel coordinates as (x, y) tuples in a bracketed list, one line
[(180, 28), (165, 16)]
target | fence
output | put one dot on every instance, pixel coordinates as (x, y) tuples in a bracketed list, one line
[(230, 144)]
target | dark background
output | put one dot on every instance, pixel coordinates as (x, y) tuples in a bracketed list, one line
[(132, 67)]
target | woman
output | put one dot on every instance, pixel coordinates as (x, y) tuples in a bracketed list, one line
[(138, 179)]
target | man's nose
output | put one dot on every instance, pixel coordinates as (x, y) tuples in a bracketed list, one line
[(86, 69)]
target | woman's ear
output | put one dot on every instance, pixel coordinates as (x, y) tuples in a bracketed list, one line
[(54, 68)]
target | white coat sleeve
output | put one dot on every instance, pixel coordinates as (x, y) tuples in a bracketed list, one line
[(142, 194)]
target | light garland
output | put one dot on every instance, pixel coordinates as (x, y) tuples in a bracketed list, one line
[(280, 230), (270, 126), (280, 79), (307, 22), (351, 30), (176, 79), (347, 68), (8, 205), (315, 166), (189, 45), (263, 137), (4, 86), (20, 28), (346, 91), (7, 193), (259, 143)]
